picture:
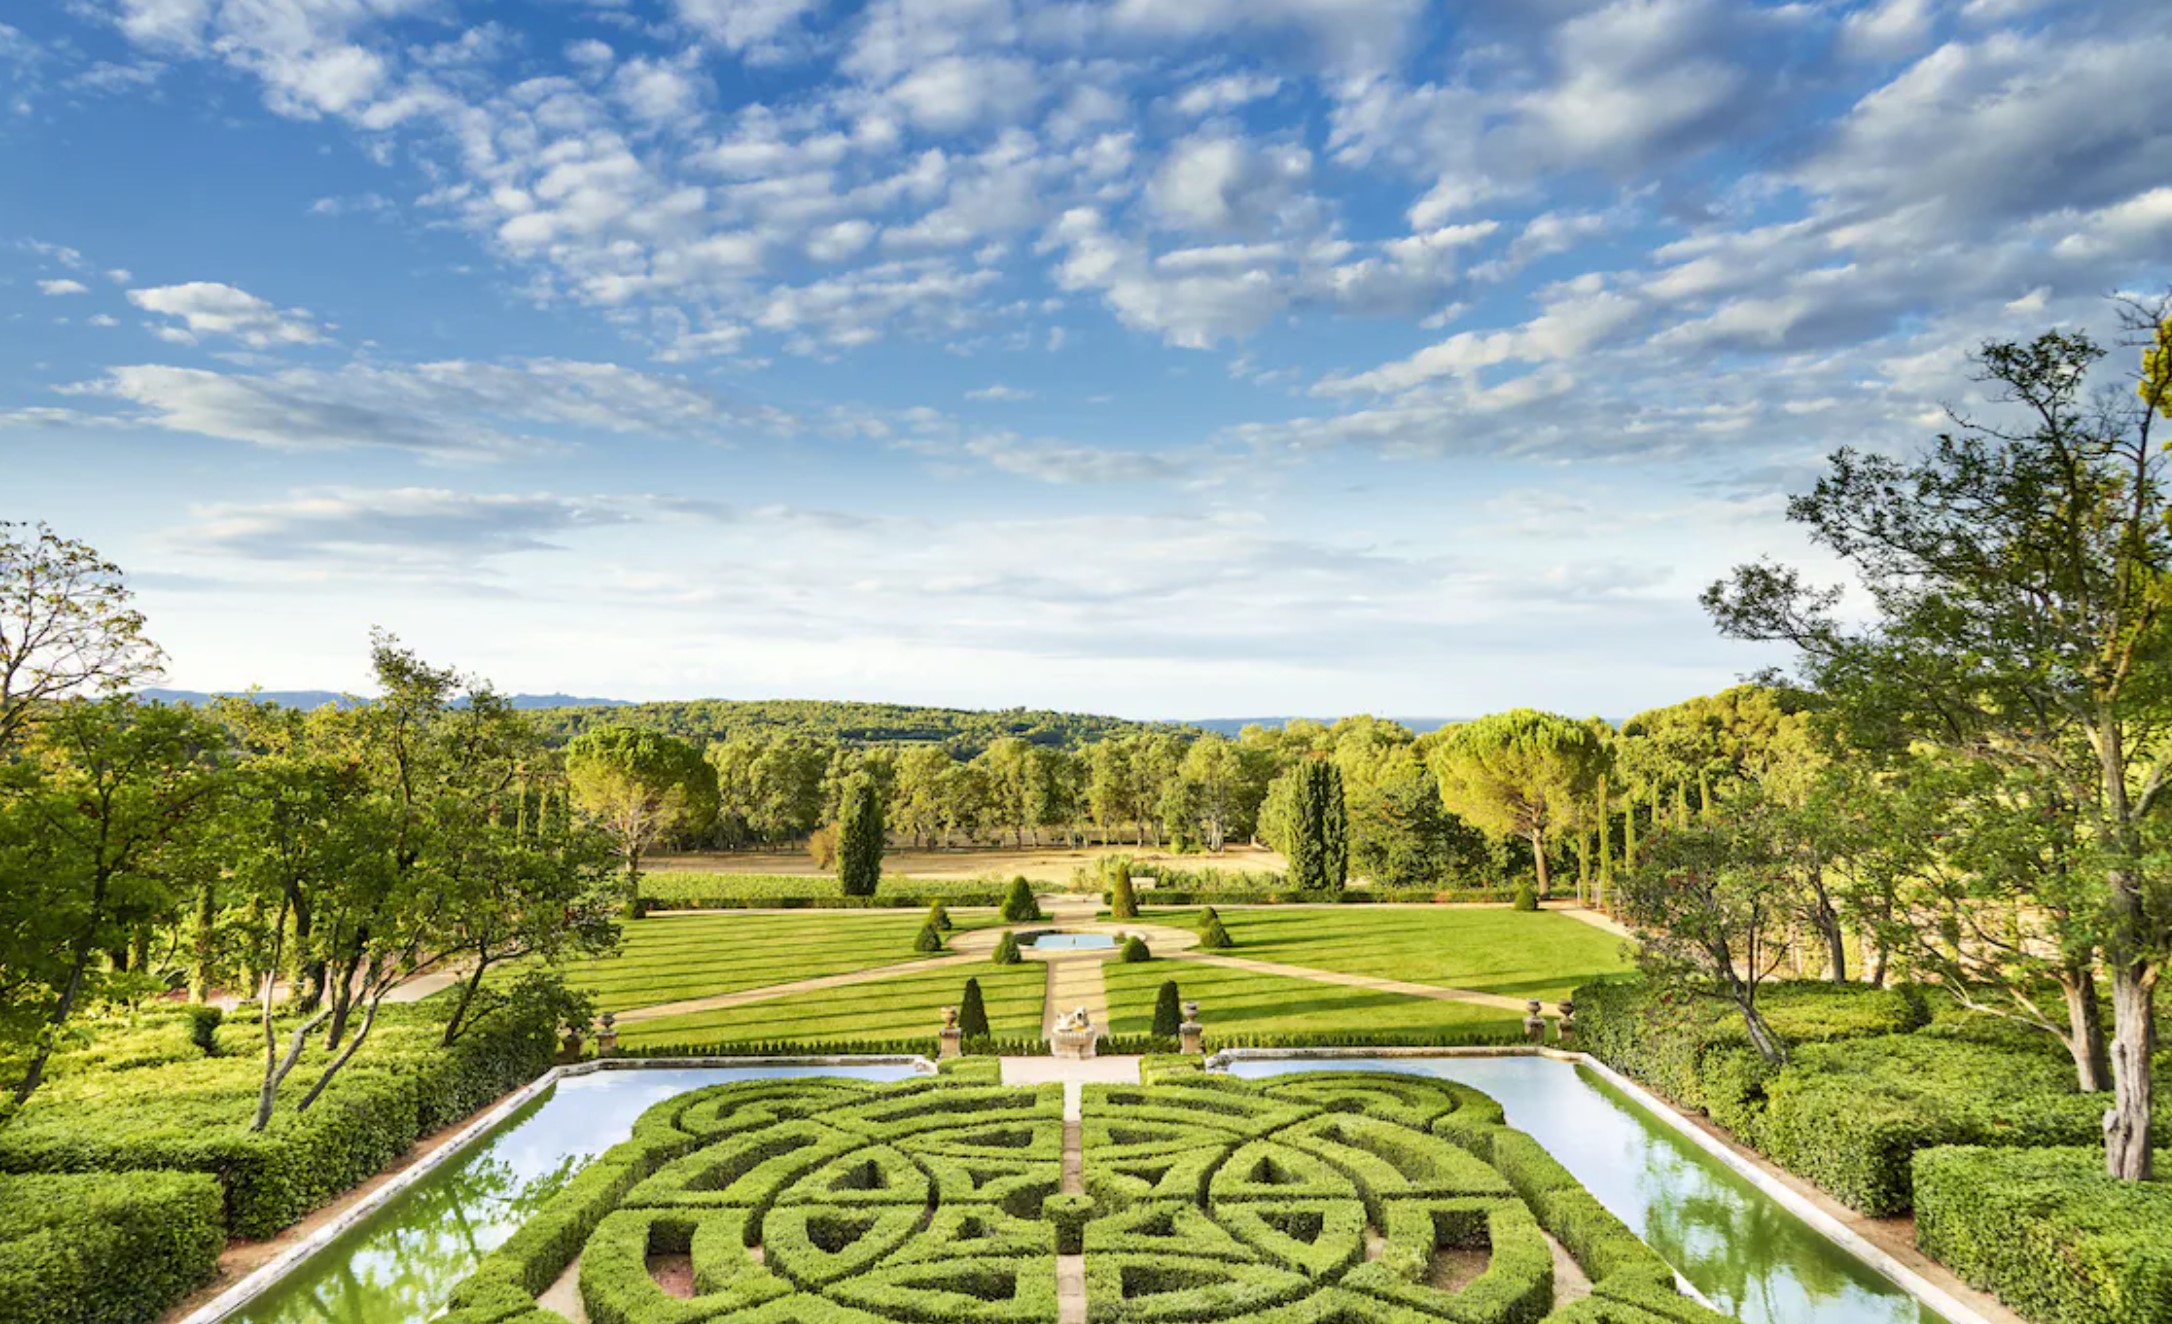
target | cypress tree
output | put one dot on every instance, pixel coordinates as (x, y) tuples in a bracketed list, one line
[(1320, 829), (859, 837), (1334, 828), (973, 1012), (1168, 1010)]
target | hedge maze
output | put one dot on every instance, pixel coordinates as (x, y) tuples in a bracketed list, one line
[(1311, 1199)]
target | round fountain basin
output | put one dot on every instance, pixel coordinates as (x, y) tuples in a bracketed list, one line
[(1073, 942)]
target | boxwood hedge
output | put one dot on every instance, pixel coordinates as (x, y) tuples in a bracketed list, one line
[(105, 1248)]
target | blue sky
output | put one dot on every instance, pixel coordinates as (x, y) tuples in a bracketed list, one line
[(1199, 358)]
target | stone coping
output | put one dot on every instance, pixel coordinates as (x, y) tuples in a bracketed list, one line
[(261, 1279), (1821, 1214), (1160, 938)]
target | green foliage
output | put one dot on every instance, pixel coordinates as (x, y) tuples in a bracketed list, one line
[(1318, 828), (1020, 906), (1122, 903), (1134, 951), (1527, 898), (973, 1012), (1212, 936), (105, 1248), (1168, 1010), (1006, 950), (930, 939), (2048, 1231), (1520, 773), (860, 837), (696, 889), (641, 787), (939, 918)]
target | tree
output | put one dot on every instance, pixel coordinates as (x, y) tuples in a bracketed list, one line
[(1020, 906), (1123, 901), (973, 1012), (860, 837), (1168, 1010), (66, 627), (1704, 902), (1520, 774), (2016, 577), (1319, 845), (103, 793), (642, 788)]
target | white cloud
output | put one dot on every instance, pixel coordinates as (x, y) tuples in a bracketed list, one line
[(1214, 95), (999, 392), (208, 308), (62, 287), (1225, 185), (739, 24)]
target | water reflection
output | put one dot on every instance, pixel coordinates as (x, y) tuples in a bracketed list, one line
[(399, 1265), (1744, 1251)]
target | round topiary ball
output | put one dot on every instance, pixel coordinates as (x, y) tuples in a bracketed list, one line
[(1134, 951)]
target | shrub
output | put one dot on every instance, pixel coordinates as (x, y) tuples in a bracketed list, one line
[(930, 939), (105, 1248), (2048, 1231), (1168, 1009), (1019, 904), (1122, 903), (973, 1012), (1006, 950), (939, 918), (1134, 951), (1212, 936), (1526, 897), (204, 1027)]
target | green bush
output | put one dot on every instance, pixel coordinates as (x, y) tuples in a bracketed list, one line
[(695, 889), (1122, 903), (939, 918), (929, 939), (1526, 897), (105, 1248), (2049, 1232), (973, 1012), (1006, 950), (1020, 906), (1168, 1009), (1212, 936), (1134, 951)]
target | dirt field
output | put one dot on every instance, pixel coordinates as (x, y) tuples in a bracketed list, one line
[(1052, 864)]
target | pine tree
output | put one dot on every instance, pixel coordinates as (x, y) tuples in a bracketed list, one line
[(973, 1012), (1168, 1010), (859, 837)]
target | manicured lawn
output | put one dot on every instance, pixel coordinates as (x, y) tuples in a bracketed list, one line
[(908, 1006), (666, 958), (1512, 953), (1242, 1002)]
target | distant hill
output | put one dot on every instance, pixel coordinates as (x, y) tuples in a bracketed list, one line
[(849, 721), (319, 698), (1230, 726)]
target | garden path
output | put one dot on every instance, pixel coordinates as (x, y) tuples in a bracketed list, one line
[(1075, 981), (1378, 985), (769, 991)]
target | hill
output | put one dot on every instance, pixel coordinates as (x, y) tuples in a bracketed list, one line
[(845, 720), (1230, 726), (319, 698)]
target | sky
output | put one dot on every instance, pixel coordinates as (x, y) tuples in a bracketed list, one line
[(1156, 357)]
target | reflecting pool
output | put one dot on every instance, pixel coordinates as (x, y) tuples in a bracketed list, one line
[(401, 1263), (1073, 942), (1744, 1251)]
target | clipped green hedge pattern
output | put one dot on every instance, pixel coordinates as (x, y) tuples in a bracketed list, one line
[(1323, 1198)]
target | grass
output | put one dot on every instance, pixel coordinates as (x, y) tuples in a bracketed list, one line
[(667, 958), (1243, 1002), (1506, 952), (903, 1007)]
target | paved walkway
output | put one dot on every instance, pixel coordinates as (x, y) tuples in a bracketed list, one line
[(1597, 919), (1402, 986), (770, 991), (1075, 981)]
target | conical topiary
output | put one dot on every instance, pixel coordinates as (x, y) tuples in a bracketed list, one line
[(938, 917), (1006, 950), (1134, 951), (1212, 935), (1168, 1010), (930, 939), (1020, 907), (1122, 904), (973, 1012)]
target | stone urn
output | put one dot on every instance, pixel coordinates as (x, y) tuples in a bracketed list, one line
[(1191, 1035), (1534, 1025), (1074, 1036)]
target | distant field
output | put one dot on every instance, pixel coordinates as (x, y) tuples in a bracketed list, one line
[(1053, 864), (1507, 952), (671, 957), (909, 1006), (1242, 1002)]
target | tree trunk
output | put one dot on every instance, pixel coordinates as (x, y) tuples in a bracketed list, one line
[(85, 944), (467, 1000), (2085, 1029), (1836, 939), (369, 1018), (2134, 1035), (1538, 855), (1767, 1043), (207, 916)]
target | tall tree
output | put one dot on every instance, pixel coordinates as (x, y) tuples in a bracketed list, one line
[(67, 628), (2016, 576), (642, 788), (1521, 773), (1319, 845), (860, 837)]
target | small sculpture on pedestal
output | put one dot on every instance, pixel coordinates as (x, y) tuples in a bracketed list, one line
[(1075, 1035), (1534, 1025), (952, 1038), (607, 1038), (1191, 1035)]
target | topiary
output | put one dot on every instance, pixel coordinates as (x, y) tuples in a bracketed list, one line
[(1526, 897), (1134, 951), (1168, 1010), (1019, 905), (930, 939), (939, 918), (1006, 950), (1122, 904), (973, 1012), (1212, 935)]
